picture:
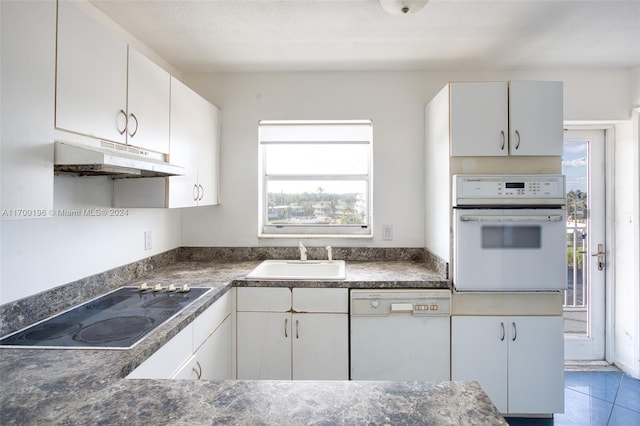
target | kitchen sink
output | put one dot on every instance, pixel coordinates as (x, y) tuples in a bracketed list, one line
[(299, 270)]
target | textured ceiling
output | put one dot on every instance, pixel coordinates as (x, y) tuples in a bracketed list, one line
[(316, 35)]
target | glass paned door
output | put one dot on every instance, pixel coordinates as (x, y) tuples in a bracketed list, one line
[(583, 163)]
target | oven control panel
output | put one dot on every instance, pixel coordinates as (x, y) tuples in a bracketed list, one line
[(508, 189)]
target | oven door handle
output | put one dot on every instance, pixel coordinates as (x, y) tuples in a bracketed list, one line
[(507, 218)]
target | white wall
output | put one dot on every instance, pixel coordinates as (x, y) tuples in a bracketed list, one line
[(626, 349), (393, 100), (41, 254)]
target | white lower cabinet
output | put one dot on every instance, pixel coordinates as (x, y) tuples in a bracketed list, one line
[(212, 360), (166, 361), (264, 345), (202, 350), (320, 347), (285, 334), (518, 360)]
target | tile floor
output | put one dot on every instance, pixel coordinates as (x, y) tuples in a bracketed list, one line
[(595, 398)]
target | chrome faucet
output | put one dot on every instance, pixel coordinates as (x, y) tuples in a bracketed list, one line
[(329, 254), (303, 251)]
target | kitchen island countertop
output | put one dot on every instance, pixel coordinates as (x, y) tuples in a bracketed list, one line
[(77, 386)]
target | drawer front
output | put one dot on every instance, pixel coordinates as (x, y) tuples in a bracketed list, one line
[(330, 300), (263, 299)]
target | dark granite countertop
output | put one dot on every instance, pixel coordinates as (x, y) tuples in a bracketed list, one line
[(360, 274), (46, 386)]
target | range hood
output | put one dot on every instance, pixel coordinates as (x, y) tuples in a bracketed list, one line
[(111, 159)]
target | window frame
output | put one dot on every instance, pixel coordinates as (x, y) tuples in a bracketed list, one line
[(314, 230)]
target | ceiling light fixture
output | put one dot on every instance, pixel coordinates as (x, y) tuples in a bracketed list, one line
[(402, 7)]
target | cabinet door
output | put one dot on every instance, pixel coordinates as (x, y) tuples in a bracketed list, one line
[(167, 360), (195, 145), (264, 345), (183, 150), (190, 370), (478, 119), (320, 346), (214, 356), (535, 118), (536, 365), (147, 104), (208, 321), (208, 153), (91, 96), (28, 94), (479, 352)]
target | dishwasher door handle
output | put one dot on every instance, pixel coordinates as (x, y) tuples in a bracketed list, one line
[(401, 307)]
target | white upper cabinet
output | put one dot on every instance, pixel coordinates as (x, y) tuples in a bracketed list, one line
[(209, 156), (500, 118), (535, 118), (105, 89), (28, 91), (91, 96), (147, 104), (479, 119), (195, 145)]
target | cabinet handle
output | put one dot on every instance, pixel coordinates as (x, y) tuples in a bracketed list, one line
[(297, 334), (503, 333), (196, 192), (201, 192), (198, 371), (503, 139), (515, 332), (286, 320), (136, 120), (517, 139), (126, 121)]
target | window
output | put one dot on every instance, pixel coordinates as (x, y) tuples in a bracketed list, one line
[(315, 178)]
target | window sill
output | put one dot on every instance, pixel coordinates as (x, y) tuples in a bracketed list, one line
[(305, 236)]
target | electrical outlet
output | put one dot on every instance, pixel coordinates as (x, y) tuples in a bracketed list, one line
[(147, 240), (387, 232)]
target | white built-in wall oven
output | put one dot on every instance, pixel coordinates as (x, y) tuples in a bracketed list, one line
[(509, 233)]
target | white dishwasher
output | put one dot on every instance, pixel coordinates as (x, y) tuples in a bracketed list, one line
[(400, 334)]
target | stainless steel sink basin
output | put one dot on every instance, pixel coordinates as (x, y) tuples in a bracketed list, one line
[(299, 270)]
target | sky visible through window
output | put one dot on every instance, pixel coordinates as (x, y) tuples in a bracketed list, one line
[(574, 165), (315, 176)]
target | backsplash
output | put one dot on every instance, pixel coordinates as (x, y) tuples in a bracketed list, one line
[(23, 312), (313, 253), (436, 263)]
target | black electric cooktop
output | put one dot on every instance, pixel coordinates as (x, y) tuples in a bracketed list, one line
[(116, 320)]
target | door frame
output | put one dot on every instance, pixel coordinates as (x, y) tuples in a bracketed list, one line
[(609, 137)]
